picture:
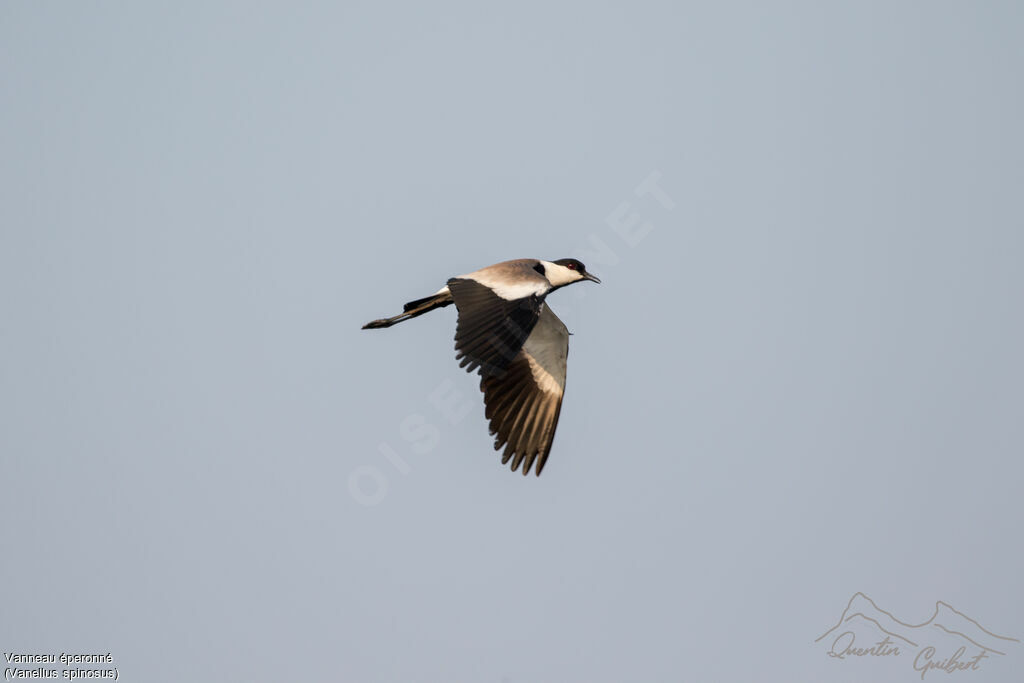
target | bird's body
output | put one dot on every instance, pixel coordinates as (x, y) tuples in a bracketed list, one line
[(508, 334)]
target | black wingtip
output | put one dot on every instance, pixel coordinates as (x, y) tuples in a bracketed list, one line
[(375, 324)]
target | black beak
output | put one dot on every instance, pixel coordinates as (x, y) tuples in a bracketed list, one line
[(592, 278)]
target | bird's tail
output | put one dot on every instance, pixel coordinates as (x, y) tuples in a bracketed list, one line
[(413, 309)]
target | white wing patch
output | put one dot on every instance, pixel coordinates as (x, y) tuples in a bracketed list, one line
[(529, 284), (546, 350), (523, 404)]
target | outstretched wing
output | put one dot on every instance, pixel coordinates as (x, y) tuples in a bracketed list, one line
[(491, 330), (523, 404)]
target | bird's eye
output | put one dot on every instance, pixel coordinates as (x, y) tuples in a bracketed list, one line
[(571, 266)]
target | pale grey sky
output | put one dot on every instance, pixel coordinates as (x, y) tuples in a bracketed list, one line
[(801, 380)]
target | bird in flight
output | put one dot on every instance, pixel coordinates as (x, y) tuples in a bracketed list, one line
[(510, 336)]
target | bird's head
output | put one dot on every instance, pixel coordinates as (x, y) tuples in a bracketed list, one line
[(566, 271)]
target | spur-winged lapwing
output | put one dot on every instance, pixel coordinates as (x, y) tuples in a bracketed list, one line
[(519, 346)]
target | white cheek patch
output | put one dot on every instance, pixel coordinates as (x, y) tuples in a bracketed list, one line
[(559, 275)]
